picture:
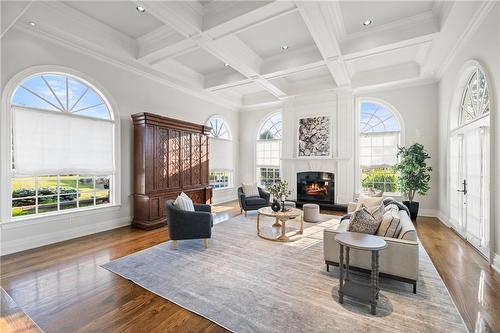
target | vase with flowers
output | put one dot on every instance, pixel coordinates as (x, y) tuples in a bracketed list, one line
[(280, 191)]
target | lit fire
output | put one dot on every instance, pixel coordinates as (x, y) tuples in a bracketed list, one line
[(316, 189)]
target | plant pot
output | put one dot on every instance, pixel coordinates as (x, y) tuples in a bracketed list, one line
[(275, 206), (413, 208)]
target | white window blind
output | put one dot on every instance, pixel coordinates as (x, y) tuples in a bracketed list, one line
[(52, 142), (378, 150), (220, 154), (268, 153)]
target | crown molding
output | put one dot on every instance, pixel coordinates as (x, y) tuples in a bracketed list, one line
[(132, 66), (478, 18)]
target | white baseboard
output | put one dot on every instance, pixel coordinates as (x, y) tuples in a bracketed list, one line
[(428, 212), (26, 243), (495, 263)]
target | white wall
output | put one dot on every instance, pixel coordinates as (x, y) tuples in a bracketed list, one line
[(483, 46), (132, 93), (418, 107)]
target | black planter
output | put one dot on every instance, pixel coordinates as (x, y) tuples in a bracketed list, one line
[(275, 206), (413, 208)]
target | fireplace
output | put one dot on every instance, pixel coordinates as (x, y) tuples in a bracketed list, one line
[(317, 187)]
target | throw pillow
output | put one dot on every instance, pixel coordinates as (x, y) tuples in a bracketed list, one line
[(390, 225), (364, 221), (369, 201), (183, 202), (250, 190)]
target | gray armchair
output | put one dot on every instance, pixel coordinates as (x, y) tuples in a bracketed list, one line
[(253, 203), (189, 225)]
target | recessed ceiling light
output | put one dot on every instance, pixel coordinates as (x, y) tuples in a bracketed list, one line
[(226, 64), (284, 47), (367, 22), (32, 23), (140, 9)]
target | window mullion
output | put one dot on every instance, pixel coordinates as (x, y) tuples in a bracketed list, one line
[(94, 190), (36, 195), (77, 191), (58, 192)]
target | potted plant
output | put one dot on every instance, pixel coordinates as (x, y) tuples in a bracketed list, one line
[(413, 175), (279, 190)]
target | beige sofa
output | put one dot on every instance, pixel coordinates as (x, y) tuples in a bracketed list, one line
[(399, 260)]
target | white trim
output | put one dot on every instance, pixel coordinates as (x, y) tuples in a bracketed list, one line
[(479, 16), (22, 244), (6, 133)]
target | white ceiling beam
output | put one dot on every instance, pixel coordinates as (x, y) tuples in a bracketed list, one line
[(10, 12), (319, 18)]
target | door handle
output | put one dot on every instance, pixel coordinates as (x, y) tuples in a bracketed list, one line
[(464, 187)]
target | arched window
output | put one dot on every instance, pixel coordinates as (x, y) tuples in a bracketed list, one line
[(219, 128), (62, 145), (269, 150), (475, 99), (221, 154), (379, 138)]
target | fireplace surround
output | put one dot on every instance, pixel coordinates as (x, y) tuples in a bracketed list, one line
[(316, 187)]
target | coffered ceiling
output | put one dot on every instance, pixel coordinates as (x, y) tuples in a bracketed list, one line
[(243, 54)]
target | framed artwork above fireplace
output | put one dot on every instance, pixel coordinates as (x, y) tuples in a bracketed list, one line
[(313, 137)]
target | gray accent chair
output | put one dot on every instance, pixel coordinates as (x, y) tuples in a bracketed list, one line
[(253, 203), (189, 225)]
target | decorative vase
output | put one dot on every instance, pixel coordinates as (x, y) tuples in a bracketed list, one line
[(275, 206), (413, 208)]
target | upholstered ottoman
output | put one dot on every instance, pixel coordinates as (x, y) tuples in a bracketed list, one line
[(290, 204), (311, 212)]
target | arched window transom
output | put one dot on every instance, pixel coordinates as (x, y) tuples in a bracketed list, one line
[(219, 128), (271, 128), (378, 145), (60, 93), (475, 100)]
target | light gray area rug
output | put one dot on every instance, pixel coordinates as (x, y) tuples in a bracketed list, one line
[(248, 284)]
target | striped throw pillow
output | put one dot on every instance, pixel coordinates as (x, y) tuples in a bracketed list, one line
[(183, 202), (390, 225)]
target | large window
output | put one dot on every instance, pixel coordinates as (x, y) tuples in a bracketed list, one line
[(269, 150), (475, 99), (62, 146), (379, 138), (221, 153)]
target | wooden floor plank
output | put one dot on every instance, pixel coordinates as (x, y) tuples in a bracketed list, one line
[(63, 288), (12, 317)]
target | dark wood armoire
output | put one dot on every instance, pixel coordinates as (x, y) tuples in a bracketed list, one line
[(170, 156)]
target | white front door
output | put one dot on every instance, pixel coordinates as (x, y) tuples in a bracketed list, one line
[(469, 185)]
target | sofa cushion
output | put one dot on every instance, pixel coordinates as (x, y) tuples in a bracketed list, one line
[(255, 201), (408, 231), (250, 190), (390, 225), (366, 220), (183, 202)]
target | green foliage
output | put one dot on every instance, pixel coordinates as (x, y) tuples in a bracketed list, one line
[(266, 135), (413, 172), (381, 179), (67, 194), (279, 189)]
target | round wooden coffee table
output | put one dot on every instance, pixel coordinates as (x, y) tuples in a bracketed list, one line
[(280, 221), (361, 291)]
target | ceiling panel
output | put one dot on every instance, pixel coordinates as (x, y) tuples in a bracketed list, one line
[(266, 39), (120, 15), (201, 61), (354, 13), (386, 59), (246, 89)]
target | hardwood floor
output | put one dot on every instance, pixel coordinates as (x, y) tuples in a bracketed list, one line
[(63, 288)]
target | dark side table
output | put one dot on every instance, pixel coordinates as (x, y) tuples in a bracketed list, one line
[(361, 291)]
